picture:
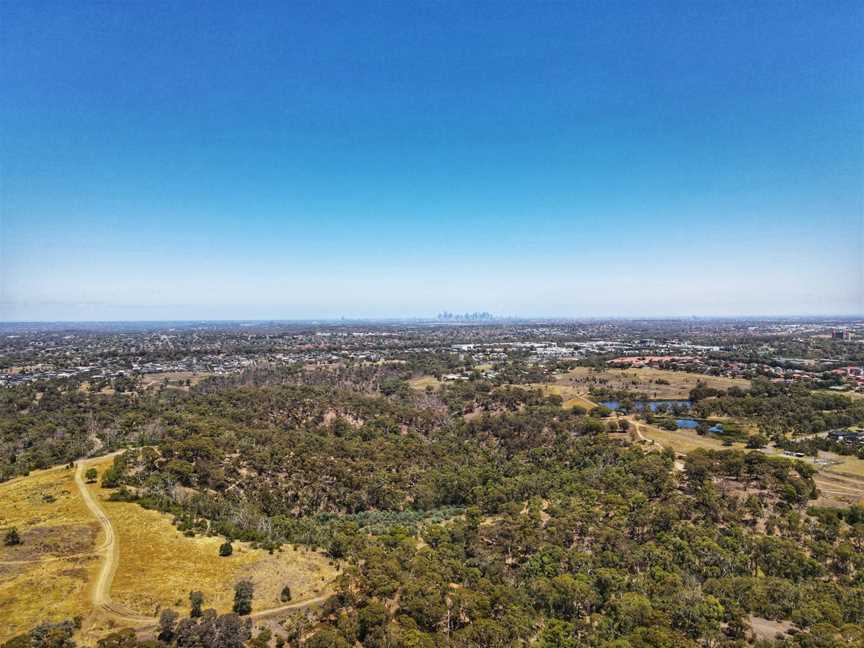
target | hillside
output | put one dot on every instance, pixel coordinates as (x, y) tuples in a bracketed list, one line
[(527, 523)]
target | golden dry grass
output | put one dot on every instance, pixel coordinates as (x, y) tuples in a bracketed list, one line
[(173, 380), (571, 395), (421, 383), (580, 401), (159, 566), (852, 395), (683, 441), (848, 465), (839, 490), (643, 380), (50, 576), (60, 537)]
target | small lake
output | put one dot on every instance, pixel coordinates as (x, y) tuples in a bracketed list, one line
[(687, 424), (654, 404)]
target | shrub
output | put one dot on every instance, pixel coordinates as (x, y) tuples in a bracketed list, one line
[(243, 593), (111, 478), (12, 538), (756, 441)]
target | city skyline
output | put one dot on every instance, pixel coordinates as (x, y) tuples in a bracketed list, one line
[(378, 160)]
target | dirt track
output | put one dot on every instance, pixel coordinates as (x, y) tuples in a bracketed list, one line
[(110, 548), (100, 595)]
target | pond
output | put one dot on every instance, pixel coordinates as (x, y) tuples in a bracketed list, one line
[(654, 404), (687, 424)]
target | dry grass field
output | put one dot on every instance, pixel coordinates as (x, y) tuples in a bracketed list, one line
[(852, 395), (683, 441), (421, 383), (60, 538), (158, 565), (840, 490), (846, 465), (50, 577), (571, 395), (644, 380), (175, 380)]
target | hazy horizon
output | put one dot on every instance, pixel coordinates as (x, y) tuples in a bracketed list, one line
[(315, 161), (459, 319)]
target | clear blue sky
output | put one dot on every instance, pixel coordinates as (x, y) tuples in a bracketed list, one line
[(170, 160)]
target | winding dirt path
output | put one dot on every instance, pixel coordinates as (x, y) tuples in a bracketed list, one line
[(110, 547), (297, 605), (100, 595), (637, 428)]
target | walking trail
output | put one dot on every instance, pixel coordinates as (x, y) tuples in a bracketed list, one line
[(110, 550)]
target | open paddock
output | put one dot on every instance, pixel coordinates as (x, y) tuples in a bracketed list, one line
[(174, 380), (421, 383), (644, 380), (60, 543)]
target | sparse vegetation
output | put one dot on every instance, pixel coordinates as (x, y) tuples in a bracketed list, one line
[(46, 578), (11, 538), (196, 601)]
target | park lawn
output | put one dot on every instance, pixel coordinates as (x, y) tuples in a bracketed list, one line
[(47, 578), (159, 565)]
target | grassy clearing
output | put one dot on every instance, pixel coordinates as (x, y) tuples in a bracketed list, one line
[(579, 401), (159, 565), (421, 383), (683, 441), (847, 465), (571, 395), (851, 395), (839, 490), (644, 380), (173, 380), (59, 538)]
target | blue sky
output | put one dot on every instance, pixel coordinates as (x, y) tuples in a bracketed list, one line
[(175, 160)]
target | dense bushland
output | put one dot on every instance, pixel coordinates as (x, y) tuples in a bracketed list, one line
[(519, 524)]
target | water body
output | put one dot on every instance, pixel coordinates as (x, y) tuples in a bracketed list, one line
[(654, 404), (687, 424)]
